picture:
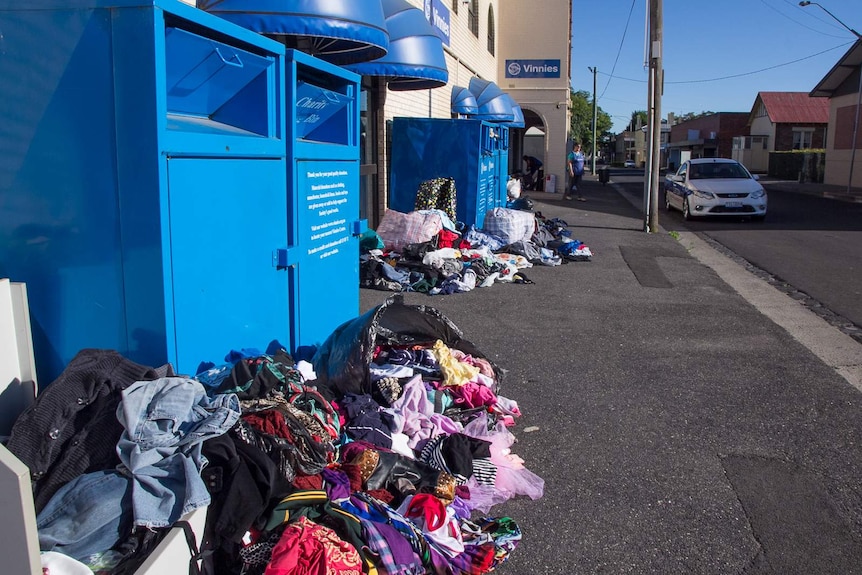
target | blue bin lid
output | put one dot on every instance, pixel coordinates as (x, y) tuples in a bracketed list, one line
[(415, 60), (338, 31)]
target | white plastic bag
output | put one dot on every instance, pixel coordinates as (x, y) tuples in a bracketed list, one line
[(513, 188)]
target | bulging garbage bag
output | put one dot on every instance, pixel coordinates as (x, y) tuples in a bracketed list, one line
[(342, 361)]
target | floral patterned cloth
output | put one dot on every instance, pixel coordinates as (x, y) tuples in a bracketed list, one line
[(438, 194)]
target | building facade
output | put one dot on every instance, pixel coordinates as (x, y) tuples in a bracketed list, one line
[(523, 47), (843, 86), (709, 136)]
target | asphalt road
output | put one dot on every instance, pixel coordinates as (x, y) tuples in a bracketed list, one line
[(812, 244)]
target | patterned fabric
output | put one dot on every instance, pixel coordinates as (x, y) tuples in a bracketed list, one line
[(392, 551), (510, 225), (438, 194), (389, 388), (484, 471), (306, 547)]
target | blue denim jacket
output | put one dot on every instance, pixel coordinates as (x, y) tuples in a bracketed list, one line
[(166, 422)]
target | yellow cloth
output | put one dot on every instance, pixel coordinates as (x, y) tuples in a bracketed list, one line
[(455, 373)]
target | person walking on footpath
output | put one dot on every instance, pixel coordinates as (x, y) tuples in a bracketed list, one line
[(575, 162)]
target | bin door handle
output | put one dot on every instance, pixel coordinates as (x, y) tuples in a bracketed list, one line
[(283, 258), (232, 61)]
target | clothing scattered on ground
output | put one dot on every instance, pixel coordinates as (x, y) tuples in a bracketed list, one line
[(399, 476), (423, 252)]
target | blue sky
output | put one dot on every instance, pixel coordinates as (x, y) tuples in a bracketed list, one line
[(717, 54)]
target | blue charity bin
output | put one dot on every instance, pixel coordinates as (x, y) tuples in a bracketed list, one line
[(142, 181), (471, 151), (322, 105)]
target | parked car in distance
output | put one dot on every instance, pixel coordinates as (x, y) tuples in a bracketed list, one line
[(714, 187), (629, 164)]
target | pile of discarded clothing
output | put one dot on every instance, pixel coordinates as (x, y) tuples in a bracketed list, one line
[(425, 251), (383, 451)]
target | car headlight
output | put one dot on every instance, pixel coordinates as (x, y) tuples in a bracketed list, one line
[(757, 194), (702, 194)]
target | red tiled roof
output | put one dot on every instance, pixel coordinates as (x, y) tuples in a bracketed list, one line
[(795, 108)]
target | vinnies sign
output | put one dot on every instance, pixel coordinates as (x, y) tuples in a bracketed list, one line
[(532, 68)]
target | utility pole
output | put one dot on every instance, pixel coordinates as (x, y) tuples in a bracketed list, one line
[(595, 115), (656, 84)]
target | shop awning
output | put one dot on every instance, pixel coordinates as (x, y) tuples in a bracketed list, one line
[(415, 60), (494, 104), (338, 31), (463, 101)]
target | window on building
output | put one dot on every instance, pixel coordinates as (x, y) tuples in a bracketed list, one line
[(473, 17), (802, 138), (845, 120), (491, 33), (455, 5)]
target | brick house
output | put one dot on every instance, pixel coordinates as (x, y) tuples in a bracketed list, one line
[(709, 136), (781, 121)]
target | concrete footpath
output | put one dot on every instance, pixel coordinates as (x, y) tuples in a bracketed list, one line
[(680, 421)]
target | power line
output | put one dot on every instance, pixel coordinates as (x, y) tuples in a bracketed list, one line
[(771, 7), (619, 50), (744, 73)]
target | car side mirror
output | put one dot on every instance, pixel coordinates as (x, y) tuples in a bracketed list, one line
[(755, 177), (677, 178)]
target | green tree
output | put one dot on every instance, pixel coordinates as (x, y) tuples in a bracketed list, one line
[(691, 116), (581, 126), (639, 119)]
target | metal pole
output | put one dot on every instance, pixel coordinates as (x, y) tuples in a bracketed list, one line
[(595, 115)]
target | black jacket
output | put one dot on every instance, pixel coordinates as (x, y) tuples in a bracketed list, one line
[(72, 427)]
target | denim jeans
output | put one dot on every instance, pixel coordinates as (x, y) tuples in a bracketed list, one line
[(87, 515), (166, 422)]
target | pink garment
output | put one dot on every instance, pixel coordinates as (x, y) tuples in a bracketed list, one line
[(512, 477), (473, 395), (483, 364), (507, 406), (306, 547), (420, 421)]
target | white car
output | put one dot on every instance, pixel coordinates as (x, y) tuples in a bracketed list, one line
[(629, 164), (715, 187)]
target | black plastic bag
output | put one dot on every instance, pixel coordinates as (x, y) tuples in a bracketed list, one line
[(342, 360)]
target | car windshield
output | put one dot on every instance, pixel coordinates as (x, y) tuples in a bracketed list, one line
[(722, 170)]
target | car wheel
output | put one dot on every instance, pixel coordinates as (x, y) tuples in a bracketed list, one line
[(686, 211)]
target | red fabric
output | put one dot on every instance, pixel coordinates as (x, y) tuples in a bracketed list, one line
[(270, 422), (383, 495), (306, 548), (354, 474), (447, 239), (427, 506), (308, 482)]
